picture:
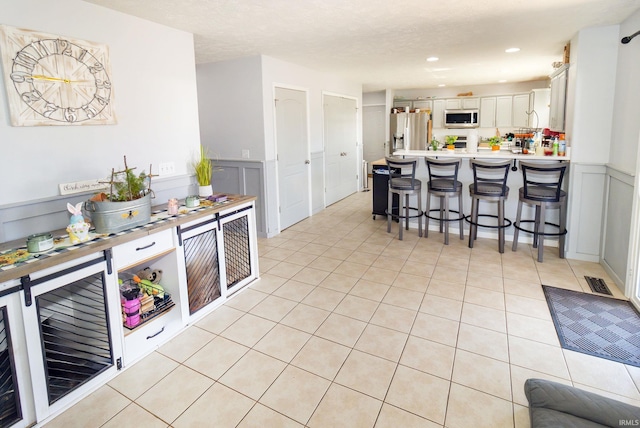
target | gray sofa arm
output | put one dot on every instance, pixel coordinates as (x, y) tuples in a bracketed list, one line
[(544, 394)]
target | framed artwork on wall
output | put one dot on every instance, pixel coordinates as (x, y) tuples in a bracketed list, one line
[(56, 80)]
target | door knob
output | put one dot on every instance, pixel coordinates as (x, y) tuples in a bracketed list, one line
[(307, 162)]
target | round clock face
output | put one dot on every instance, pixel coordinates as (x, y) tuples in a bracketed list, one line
[(61, 81)]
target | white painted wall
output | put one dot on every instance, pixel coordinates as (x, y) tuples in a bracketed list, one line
[(590, 89), (230, 107), (237, 111), (626, 110), (154, 84), (592, 82)]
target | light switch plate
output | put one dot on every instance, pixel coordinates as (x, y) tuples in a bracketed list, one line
[(245, 154)]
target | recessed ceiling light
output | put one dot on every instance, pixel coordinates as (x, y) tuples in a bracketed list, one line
[(502, 81), (442, 85), (432, 58), (512, 50)]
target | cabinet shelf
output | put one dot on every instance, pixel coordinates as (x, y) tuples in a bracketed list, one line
[(161, 309)]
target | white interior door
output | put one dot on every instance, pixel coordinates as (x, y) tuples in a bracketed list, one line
[(292, 145), (340, 144), (373, 134)]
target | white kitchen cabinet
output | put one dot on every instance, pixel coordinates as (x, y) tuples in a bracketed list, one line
[(17, 408), (521, 109), (558, 98), (488, 112), (156, 251), (504, 109), (453, 103), (402, 104), (423, 105), (69, 328), (470, 103), (437, 114)]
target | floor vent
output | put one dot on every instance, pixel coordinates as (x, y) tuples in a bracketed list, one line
[(597, 285)]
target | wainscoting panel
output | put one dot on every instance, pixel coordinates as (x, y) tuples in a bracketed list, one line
[(617, 224), (244, 177), (20, 220), (586, 202)]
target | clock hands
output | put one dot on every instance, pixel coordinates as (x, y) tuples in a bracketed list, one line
[(54, 79)]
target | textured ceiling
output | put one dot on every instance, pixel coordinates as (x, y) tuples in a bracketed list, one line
[(383, 44)]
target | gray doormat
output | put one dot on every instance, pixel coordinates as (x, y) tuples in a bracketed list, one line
[(595, 325)]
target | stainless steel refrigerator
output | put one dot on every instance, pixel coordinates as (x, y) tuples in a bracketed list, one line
[(409, 131)]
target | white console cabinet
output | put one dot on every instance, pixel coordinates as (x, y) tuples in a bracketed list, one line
[(63, 331)]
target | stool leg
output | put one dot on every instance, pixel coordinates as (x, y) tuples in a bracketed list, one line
[(419, 213), (475, 234), (406, 211), (536, 225), (500, 224), (472, 226), (541, 232), (389, 210), (563, 226), (442, 202), (426, 213), (461, 222), (446, 226), (516, 231), (400, 202)]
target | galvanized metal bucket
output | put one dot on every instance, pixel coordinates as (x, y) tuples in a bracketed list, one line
[(112, 217)]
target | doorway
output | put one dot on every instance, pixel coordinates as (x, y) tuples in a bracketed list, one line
[(340, 146), (292, 148)]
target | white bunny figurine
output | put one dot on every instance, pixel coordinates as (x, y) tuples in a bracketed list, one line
[(76, 213), (78, 229)]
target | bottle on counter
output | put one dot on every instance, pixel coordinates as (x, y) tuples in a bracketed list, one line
[(555, 146), (562, 148)]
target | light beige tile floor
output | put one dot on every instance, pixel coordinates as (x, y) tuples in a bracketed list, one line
[(348, 326)]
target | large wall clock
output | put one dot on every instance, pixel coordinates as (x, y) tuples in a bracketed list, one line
[(55, 80)]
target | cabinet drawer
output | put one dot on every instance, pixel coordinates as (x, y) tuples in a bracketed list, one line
[(141, 249)]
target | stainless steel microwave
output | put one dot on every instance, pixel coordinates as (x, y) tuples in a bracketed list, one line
[(461, 118)]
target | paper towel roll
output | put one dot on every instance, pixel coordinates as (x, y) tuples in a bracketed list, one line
[(472, 141)]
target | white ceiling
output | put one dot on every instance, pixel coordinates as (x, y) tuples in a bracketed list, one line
[(383, 44)]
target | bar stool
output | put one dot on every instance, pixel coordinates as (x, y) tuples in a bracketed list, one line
[(542, 189), (402, 180), (489, 184), (443, 183)]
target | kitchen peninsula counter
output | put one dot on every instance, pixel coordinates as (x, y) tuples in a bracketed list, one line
[(465, 176), (481, 154)]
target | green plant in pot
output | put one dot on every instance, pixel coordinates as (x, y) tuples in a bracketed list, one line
[(203, 168), (434, 144), (127, 205), (495, 142), (451, 141)]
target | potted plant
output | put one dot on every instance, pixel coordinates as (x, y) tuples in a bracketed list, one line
[(494, 143), (451, 141), (127, 205), (203, 168), (434, 144)]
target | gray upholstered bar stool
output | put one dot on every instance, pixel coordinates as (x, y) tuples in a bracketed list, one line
[(402, 180), (542, 189), (489, 184), (443, 183)]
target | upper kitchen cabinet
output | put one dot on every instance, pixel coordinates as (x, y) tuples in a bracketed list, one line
[(437, 114), (488, 112), (423, 105), (521, 109), (462, 103), (402, 104), (504, 109), (558, 98)]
